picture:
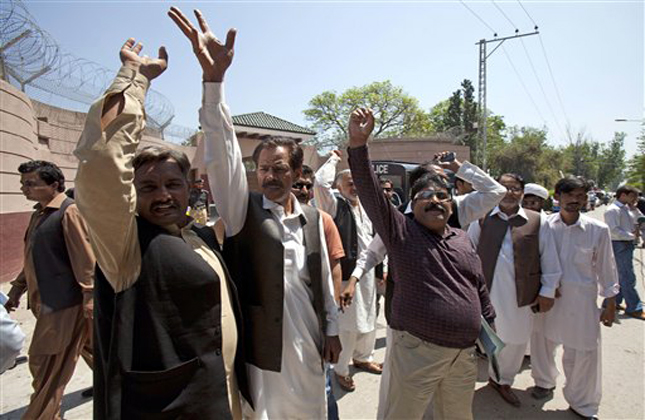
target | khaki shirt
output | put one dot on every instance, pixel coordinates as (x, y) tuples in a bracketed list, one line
[(50, 334), (107, 199)]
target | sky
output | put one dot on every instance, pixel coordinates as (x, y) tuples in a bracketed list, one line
[(583, 70)]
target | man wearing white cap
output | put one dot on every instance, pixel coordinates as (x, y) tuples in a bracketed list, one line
[(535, 196)]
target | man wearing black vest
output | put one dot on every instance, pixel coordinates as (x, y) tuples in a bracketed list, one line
[(522, 272), (275, 249), (58, 276), (357, 323), (168, 321)]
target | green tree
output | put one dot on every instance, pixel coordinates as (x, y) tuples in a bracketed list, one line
[(397, 113), (582, 156), (526, 153), (611, 162), (636, 165)]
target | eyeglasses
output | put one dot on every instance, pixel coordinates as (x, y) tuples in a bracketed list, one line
[(429, 194), (301, 185), (515, 189)]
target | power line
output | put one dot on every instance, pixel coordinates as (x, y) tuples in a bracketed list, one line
[(517, 73), (546, 98), (548, 64), (527, 14), (506, 16), (479, 18), (555, 85)]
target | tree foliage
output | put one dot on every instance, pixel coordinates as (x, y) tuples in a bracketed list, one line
[(636, 165), (397, 113)]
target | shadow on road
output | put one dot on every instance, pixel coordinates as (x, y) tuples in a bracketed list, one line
[(70, 401)]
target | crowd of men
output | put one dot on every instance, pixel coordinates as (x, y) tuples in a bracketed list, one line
[(187, 328)]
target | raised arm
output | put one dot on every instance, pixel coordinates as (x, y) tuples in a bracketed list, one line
[(324, 179), (105, 193), (222, 154), (387, 221), (488, 193)]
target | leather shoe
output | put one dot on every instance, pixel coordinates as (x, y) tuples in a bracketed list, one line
[(636, 314), (371, 367), (346, 383), (506, 393), (540, 393), (582, 416)]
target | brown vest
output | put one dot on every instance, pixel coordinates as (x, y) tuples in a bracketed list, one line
[(526, 251)]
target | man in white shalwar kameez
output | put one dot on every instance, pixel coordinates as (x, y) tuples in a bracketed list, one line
[(514, 323), (589, 270), (357, 324), (296, 388)]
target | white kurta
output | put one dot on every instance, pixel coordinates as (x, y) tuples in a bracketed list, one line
[(514, 324), (360, 316), (298, 390), (590, 270)]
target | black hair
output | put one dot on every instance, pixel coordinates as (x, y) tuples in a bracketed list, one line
[(296, 155), (516, 177), (429, 180), (626, 189), (385, 180), (570, 183), (307, 172), (153, 154), (428, 167), (47, 171)]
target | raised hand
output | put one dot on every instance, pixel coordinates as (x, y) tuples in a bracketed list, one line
[(361, 124), (149, 67), (213, 56)]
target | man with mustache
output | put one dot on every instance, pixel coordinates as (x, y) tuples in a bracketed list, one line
[(275, 249), (358, 322), (168, 319), (522, 271), (440, 297), (585, 244), (58, 277)]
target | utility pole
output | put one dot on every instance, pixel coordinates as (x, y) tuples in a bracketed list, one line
[(483, 112)]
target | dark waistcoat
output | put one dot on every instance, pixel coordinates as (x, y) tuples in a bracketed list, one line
[(255, 257), (158, 344), (56, 281), (347, 228), (526, 252)]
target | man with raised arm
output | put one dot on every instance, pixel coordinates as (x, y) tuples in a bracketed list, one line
[(275, 249), (167, 314), (441, 294), (357, 323)]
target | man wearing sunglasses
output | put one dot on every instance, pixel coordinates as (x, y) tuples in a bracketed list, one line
[(441, 294)]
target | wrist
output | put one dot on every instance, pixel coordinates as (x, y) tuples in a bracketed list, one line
[(213, 77)]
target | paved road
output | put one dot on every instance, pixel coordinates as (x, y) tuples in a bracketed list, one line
[(623, 349)]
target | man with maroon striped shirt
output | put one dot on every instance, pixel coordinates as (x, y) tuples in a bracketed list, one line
[(441, 294)]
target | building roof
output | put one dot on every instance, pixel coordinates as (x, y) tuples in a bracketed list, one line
[(270, 122)]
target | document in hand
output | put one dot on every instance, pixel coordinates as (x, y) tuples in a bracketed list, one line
[(490, 342)]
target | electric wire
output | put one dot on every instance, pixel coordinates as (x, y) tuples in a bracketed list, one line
[(535, 26), (555, 85), (479, 18), (546, 98), (505, 16), (526, 90)]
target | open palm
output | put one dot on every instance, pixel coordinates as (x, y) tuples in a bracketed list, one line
[(149, 67), (213, 56)]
